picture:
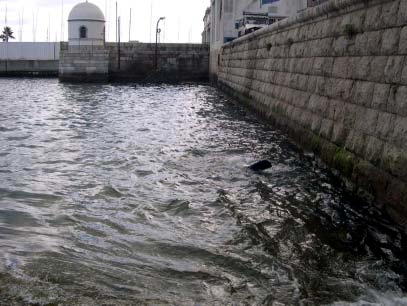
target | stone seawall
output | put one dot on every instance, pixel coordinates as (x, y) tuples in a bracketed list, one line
[(335, 78), (175, 62), (79, 64), (41, 68), (134, 62)]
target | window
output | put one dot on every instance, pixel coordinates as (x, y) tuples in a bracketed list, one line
[(83, 32)]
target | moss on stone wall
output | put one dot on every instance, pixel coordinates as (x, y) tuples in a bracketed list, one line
[(344, 161)]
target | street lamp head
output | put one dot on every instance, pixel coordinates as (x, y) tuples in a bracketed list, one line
[(162, 18)]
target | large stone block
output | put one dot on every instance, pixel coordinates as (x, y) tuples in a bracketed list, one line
[(397, 103), (336, 110), (316, 123), (329, 84), (326, 128), (339, 134), (303, 82), (342, 90), (353, 67), (357, 19), (366, 121), (395, 161), (308, 65), (312, 83), (393, 69), (341, 67), (321, 86), (325, 28), (355, 143), (374, 150), (306, 119), (318, 105), (340, 46), (376, 68), (396, 197), (361, 43), (334, 29), (325, 46), (352, 112), (372, 19), (402, 16), (403, 41), (380, 96), (404, 73), (400, 132), (362, 93), (303, 99), (390, 41), (318, 63), (362, 67), (388, 12), (373, 42)]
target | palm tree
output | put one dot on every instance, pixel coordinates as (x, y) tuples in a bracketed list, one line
[(7, 34)]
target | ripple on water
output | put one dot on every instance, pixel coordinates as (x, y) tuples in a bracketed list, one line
[(140, 195)]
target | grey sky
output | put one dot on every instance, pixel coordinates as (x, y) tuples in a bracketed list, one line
[(183, 18)]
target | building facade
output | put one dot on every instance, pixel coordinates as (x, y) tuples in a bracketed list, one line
[(228, 18), (312, 3), (86, 25), (226, 14), (85, 57), (206, 34)]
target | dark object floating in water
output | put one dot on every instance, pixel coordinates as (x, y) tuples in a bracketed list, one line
[(261, 165)]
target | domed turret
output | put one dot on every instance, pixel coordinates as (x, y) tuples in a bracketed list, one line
[(86, 25)]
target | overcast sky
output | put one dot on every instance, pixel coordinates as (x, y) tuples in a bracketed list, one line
[(183, 18)]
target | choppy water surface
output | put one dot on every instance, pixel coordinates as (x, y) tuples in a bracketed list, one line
[(133, 195)]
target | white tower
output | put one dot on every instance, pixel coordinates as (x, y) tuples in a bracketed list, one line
[(86, 25)]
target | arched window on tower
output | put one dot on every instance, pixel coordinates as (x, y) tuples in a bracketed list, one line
[(83, 32)]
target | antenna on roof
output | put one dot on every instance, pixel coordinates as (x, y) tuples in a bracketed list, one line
[(130, 26)]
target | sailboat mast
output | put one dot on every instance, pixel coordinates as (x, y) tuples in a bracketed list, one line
[(151, 21), (5, 15), (62, 21)]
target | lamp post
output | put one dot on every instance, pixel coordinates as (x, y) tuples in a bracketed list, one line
[(157, 32)]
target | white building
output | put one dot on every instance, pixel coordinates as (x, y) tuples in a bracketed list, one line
[(206, 34), (86, 25), (226, 16), (227, 13)]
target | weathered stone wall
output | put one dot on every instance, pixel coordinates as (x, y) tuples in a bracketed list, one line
[(29, 68), (335, 78), (176, 62), (134, 62), (84, 63)]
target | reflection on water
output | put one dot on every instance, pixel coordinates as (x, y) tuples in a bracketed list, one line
[(140, 195)]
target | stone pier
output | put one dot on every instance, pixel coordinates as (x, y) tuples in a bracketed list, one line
[(84, 64)]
